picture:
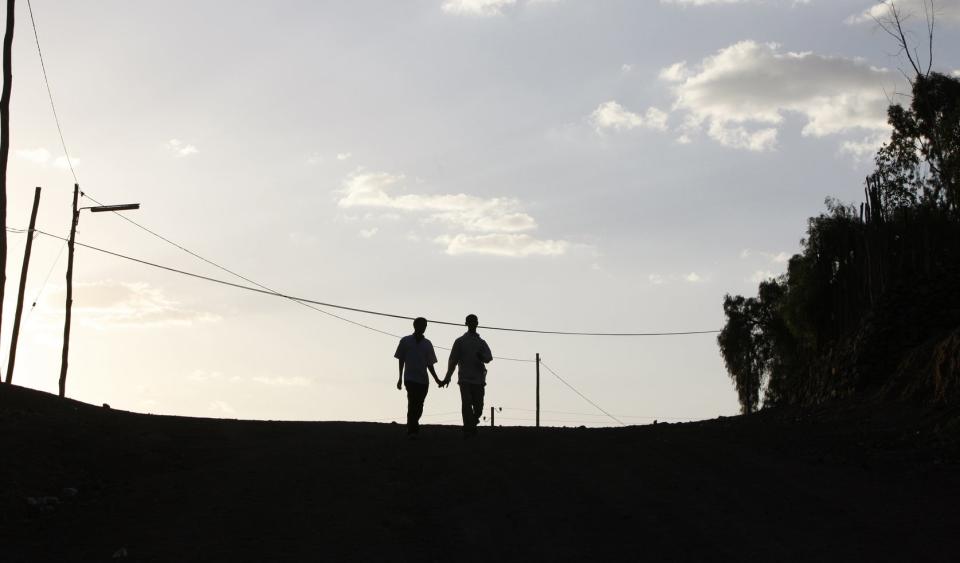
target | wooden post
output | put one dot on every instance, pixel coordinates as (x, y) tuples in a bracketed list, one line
[(23, 287), (491, 418), (538, 389), (5, 142), (66, 321)]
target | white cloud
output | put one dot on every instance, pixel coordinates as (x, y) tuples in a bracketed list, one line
[(626, 68), (499, 220), (956, 73), (42, 157), (742, 93), (611, 115), (372, 189), (677, 72), (773, 257), (501, 244), (221, 407), (314, 159), (36, 156), (62, 162), (864, 148), (344, 155), (661, 279), (761, 276), (122, 304), (724, 2), (181, 149), (477, 7), (705, 2), (202, 376), (946, 11), (280, 381)]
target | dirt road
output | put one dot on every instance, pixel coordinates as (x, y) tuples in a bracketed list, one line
[(849, 483)]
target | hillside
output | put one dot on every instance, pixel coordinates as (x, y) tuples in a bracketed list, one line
[(846, 482)]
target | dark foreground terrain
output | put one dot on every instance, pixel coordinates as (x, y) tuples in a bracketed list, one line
[(850, 483)]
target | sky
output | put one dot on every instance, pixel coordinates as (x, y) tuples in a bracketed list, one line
[(569, 165)]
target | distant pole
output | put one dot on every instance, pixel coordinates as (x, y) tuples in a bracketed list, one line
[(66, 321), (491, 418), (5, 142), (538, 389), (23, 286)]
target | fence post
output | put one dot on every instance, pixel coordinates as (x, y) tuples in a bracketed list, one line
[(538, 389)]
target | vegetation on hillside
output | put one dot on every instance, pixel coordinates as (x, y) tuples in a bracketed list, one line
[(871, 302)]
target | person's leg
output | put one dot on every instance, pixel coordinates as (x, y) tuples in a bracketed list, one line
[(477, 396), (416, 393), (466, 407)]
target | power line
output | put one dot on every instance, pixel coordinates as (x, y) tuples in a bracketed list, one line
[(307, 302), (582, 396), (268, 291), (46, 279), (46, 81), (646, 417)]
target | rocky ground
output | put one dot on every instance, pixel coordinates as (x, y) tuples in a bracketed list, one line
[(852, 482)]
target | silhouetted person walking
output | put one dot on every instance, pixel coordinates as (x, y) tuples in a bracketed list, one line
[(470, 355), (416, 356)]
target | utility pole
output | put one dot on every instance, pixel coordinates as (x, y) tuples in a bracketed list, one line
[(23, 286), (5, 142), (70, 246), (538, 389), (66, 322)]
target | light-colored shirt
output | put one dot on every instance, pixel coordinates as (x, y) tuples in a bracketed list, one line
[(471, 354), (416, 357)]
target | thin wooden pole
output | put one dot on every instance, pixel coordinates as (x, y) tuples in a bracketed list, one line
[(66, 321), (491, 418), (5, 142), (538, 389), (18, 314)]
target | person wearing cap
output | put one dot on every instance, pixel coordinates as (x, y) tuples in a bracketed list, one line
[(416, 356), (470, 355)]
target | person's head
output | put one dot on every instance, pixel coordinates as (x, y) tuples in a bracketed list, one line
[(419, 325), (472, 322)]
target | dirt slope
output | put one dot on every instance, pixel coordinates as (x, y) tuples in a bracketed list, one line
[(865, 482)]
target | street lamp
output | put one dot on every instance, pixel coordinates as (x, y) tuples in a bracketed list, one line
[(73, 236)]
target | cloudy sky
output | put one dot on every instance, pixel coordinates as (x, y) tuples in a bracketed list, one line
[(548, 164)]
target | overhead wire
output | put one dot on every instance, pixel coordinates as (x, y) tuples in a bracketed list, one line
[(46, 82), (308, 302), (46, 279), (582, 396), (294, 298)]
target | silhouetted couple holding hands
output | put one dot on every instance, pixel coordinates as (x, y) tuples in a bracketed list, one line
[(469, 355)]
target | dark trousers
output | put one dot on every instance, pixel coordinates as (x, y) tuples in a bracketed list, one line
[(416, 393), (471, 398)]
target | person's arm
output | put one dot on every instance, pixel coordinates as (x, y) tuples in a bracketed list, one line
[(400, 354), (433, 372), (452, 362), (431, 360), (486, 356)]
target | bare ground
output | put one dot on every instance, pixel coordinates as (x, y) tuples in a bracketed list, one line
[(852, 482)]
